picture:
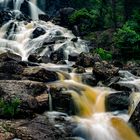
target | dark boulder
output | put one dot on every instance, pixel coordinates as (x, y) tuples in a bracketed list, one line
[(39, 74), (89, 79), (11, 67), (6, 15), (73, 57), (33, 57), (44, 17), (32, 95), (8, 56), (85, 60), (57, 126), (57, 55), (62, 101), (104, 70), (117, 101), (79, 69), (62, 62), (38, 32)]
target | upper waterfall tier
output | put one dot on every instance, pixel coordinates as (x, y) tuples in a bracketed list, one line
[(42, 38)]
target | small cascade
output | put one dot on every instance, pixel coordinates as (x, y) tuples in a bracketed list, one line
[(94, 123), (17, 4), (50, 99), (129, 80), (4, 2), (34, 10)]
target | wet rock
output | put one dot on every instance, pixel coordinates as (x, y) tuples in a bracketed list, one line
[(104, 70), (44, 59), (57, 38), (135, 71), (33, 57), (6, 15), (74, 39), (117, 101), (33, 96), (85, 60), (89, 79), (62, 62), (39, 74), (8, 56), (20, 16), (44, 17), (79, 69), (73, 57), (38, 32), (58, 55), (111, 81), (61, 101), (11, 67), (119, 87), (42, 127)]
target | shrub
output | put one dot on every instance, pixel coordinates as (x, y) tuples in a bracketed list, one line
[(105, 55), (9, 108), (86, 20), (127, 40)]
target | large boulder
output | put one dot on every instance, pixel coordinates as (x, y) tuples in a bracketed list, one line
[(57, 55), (85, 60), (8, 56), (6, 15), (32, 96), (11, 67), (39, 74), (44, 127), (61, 101), (38, 32), (73, 57), (104, 70), (117, 101)]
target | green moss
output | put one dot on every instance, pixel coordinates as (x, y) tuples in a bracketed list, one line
[(9, 108)]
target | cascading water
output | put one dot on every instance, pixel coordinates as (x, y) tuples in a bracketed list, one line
[(94, 122), (35, 11), (17, 4), (24, 45)]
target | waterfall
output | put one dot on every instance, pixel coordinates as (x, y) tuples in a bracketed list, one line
[(35, 11), (17, 4), (4, 2), (94, 123)]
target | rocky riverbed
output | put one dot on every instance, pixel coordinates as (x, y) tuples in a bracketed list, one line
[(53, 87)]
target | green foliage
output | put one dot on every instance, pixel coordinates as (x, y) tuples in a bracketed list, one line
[(126, 37), (85, 19), (9, 108), (127, 40), (105, 55), (133, 23)]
